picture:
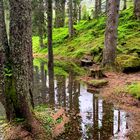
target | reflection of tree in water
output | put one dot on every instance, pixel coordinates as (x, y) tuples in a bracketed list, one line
[(70, 89), (102, 128), (36, 85), (73, 128), (61, 90), (40, 87), (75, 120), (107, 122), (99, 122), (95, 117), (51, 87), (44, 89)]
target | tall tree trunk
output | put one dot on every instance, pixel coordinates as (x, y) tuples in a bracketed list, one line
[(106, 6), (100, 7), (59, 13), (75, 11), (109, 52), (125, 4), (97, 11), (4, 37), (30, 60), (50, 52), (18, 87), (4, 50), (41, 23), (71, 29), (137, 9), (79, 13), (1, 46)]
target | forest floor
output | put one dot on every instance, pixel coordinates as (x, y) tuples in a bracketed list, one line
[(115, 93)]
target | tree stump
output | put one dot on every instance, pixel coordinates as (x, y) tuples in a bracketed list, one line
[(86, 62), (98, 83), (97, 72), (93, 90)]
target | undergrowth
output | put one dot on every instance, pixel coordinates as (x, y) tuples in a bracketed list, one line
[(60, 67), (89, 38), (134, 89)]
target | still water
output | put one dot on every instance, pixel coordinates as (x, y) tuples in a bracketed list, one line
[(91, 117)]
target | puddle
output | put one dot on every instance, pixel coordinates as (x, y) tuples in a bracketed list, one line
[(91, 117)]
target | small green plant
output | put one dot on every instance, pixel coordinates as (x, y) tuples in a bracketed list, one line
[(134, 89), (7, 72), (43, 113)]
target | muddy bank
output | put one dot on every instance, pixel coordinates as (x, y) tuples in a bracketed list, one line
[(122, 100)]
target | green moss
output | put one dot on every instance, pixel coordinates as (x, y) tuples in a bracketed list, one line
[(128, 61), (98, 83), (61, 67), (43, 113), (10, 90), (134, 89), (89, 38), (67, 66)]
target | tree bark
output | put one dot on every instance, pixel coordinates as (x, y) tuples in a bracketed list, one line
[(100, 7), (4, 50), (41, 23), (75, 11), (137, 9), (4, 37), (18, 85), (59, 13), (1, 46), (109, 52), (50, 53), (71, 29), (97, 11), (79, 13), (106, 8)]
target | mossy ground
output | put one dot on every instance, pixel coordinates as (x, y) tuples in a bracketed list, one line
[(61, 67), (134, 89), (89, 38), (98, 83)]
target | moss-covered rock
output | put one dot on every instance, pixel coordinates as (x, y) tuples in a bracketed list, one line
[(98, 83), (128, 62)]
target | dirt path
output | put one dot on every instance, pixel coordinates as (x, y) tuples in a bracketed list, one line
[(122, 100)]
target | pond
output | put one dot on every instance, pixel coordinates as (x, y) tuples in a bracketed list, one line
[(91, 117)]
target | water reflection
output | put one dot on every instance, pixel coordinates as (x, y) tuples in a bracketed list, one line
[(91, 117)]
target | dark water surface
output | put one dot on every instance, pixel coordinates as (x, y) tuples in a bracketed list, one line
[(91, 117)]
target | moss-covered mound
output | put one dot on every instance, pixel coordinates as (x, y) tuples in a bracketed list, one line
[(98, 83), (134, 89), (128, 63)]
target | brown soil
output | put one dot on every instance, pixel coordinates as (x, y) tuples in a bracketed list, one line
[(22, 131), (122, 100)]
